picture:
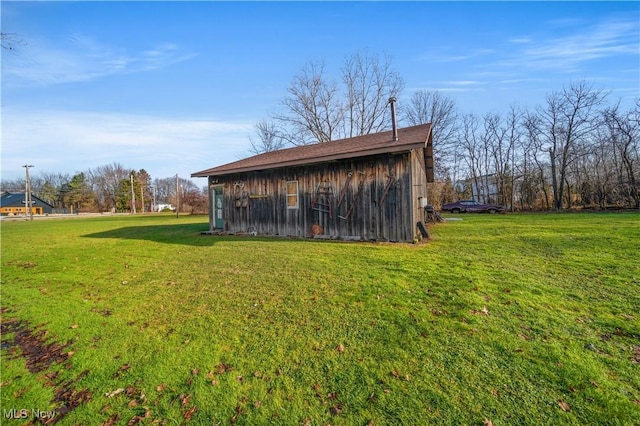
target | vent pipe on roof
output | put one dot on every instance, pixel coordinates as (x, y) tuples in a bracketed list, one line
[(392, 101)]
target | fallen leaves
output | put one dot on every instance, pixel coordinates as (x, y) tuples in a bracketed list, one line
[(635, 355), (102, 312), (24, 265), (111, 421), (395, 373), (114, 393), (139, 418), (188, 414), (336, 410), (184, 399), (223, 368), (484, 311), (122, 369), (564, 405), (39, 354)]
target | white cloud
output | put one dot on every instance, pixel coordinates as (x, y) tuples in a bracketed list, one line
[(80, 58), (568, 53), (444, 55), (71, 141)]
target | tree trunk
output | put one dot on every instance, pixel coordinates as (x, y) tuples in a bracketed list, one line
[(557, 189)]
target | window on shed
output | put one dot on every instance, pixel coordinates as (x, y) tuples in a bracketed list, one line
[(292, 194)]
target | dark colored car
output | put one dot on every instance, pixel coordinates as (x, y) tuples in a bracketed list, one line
[(471, 206)]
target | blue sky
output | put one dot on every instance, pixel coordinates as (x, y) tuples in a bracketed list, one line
[(176, 87)]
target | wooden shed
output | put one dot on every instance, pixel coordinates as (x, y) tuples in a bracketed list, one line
[(371, 187)]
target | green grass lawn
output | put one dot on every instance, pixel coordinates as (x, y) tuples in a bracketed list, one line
[(529, 319)]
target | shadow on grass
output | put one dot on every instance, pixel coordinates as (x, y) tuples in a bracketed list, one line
[(183, 234)]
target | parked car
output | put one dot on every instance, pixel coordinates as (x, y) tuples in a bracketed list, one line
[(471, 206)]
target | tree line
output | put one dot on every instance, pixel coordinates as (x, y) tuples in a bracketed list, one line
[(576, 150), (112, 188), (573, 151)]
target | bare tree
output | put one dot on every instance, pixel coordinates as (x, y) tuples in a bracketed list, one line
[(105, 181), (433, 107), (369, 83), (567, 120), (192, 198), (624, 135), (502, 135), (313, 111), (471, 146), (13, 185), (514, 142), (269, 137), (317, 109), (165, 189), (9, 41)]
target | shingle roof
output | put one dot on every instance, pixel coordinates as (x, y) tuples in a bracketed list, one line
[(360, 146), (12, 199)]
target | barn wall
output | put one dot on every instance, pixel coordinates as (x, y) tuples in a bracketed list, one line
[(380, 201), (420, 179)]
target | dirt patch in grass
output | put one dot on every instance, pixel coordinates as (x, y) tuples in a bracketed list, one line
[(39, 354)]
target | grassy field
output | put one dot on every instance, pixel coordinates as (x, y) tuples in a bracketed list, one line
[(500, 319)]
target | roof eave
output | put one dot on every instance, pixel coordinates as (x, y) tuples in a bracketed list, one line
[(323, 159)]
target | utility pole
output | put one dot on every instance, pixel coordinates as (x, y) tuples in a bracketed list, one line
[(153, 206), (177, 197), (142, 195), (133, 196), (27, 193)]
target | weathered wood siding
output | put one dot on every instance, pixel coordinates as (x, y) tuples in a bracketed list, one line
[(380, 201)]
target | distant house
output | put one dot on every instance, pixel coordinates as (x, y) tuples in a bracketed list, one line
[(13, 204), (371, 187), (164, 206)]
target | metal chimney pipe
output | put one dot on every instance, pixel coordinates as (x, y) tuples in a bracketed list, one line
[(392, 101)]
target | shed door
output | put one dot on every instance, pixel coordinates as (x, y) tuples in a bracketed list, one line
[(218, 208)]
